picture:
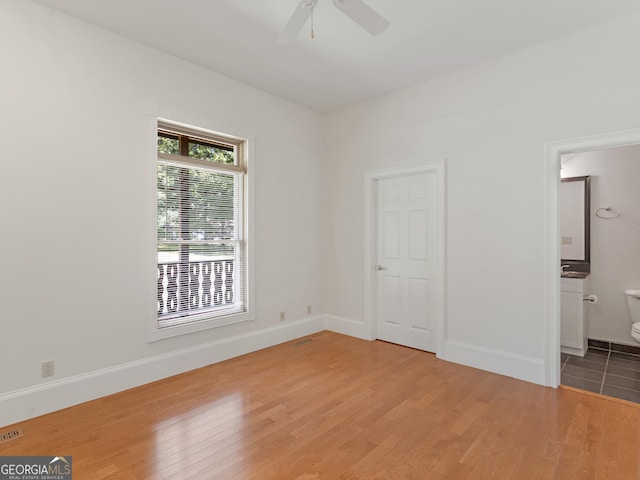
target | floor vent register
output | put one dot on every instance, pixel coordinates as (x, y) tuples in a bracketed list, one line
[(10, 435)]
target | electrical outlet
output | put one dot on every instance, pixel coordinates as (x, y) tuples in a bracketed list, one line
[(47, 369), (308, 309), (282, 316)]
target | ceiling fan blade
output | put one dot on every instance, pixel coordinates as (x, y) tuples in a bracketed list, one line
[(363, 15), (300, 16)]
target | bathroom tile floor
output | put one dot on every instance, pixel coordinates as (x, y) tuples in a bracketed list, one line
[(610, 373)]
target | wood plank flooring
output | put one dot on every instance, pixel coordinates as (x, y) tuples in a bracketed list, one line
[(341, 408)]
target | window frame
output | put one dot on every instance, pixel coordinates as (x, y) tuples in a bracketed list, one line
[(202, 320)]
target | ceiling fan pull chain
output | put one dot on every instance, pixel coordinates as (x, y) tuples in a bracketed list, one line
[(312, 32)]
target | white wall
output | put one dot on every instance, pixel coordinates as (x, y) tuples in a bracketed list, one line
[(615, 243), (491, 123), (73, 133)]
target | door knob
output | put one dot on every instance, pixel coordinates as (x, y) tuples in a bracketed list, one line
[(380, 268)]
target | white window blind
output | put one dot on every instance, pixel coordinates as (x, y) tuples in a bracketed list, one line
[(201, 242)]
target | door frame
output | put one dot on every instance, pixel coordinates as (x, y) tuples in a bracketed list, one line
[(552, 251), (371, 179)]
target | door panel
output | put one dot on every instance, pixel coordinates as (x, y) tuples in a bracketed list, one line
[(406, 242), (418, 233), (393, 299), (418, 304), (391, 228)]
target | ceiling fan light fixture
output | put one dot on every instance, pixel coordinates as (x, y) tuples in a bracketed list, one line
[(356, 10), (299, 17)]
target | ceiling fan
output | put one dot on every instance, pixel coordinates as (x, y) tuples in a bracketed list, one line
[(356, 10)]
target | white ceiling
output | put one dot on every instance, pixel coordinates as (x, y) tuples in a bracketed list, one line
[(343, 65)]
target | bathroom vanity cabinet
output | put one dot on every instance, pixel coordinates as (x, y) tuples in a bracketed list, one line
[(573, 321)]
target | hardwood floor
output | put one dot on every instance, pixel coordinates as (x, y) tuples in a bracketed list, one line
[(341, 408)]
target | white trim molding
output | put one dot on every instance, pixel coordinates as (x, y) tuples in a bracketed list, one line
[(48, 397), (553, 151), (370, 179), (511, 364), (348, 326)]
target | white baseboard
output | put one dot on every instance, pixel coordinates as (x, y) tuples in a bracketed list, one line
[(511, 364), (30, 402), (34, 401), (347, 326), (506, 363)]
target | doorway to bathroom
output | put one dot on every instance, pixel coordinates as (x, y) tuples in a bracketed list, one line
[(596, 304)]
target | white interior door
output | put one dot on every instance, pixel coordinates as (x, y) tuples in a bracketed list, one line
[(406, 270)]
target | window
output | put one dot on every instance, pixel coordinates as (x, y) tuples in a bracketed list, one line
[(202, 248)]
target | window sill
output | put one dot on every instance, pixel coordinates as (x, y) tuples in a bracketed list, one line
[(157, 334)]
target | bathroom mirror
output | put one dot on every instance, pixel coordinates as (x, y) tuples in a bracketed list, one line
[(574, 199)]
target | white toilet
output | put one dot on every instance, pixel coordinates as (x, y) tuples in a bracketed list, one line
[(633, 302)]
